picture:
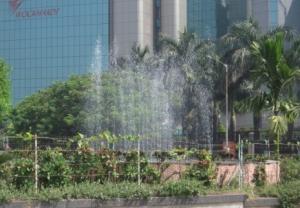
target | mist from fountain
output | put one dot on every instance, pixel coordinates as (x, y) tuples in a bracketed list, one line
[(144, 99)]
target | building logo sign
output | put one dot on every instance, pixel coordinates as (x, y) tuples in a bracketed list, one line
[(15, 4), (16, 8)]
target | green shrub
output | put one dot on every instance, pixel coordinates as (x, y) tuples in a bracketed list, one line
[(50, 194), (130, 169), (5, 196), (105, 191), (259, 176), (129, 190), (256, 158), (108, 167), (150, 175), (182, 188), (162, 156), (221, 128), (204, 170), (5, 157), (289, 194), (22, 172), (267, 191), (5, 193), (6, 171), (87, 165), (84, 190), (54, 169), (290, 169)]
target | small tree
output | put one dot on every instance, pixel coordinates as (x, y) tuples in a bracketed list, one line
[(54, 111), (4, 91)]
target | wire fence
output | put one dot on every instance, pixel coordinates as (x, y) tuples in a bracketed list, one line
[(40, 161)]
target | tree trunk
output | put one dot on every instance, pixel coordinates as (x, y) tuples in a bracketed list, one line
[(187, 120), (290, 133), (232, 125), (277, 142), (232, 118), (215, 121), (257, 120)]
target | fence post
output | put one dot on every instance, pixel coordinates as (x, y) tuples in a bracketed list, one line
[(36, 163), (241, 175), (139, 163), (269, 149), (242, 161)]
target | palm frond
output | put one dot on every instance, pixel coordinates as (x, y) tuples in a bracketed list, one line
[(288, 33), (169, 43), (139, 53), (290, 109), (241, 34), (293, 54), (278, 125), (255, 103)]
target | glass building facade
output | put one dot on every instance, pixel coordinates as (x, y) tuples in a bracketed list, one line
[(48, 40), (201, 18), (273, 13), (210, 19)]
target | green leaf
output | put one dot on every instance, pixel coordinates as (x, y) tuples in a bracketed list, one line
[(278, 125)]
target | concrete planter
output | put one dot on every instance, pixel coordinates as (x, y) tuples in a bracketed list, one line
[(262, 203), (213, 201), (227, 170), (216, 201)]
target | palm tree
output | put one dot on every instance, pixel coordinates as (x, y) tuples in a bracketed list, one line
[(218, 94), (293, 60), (181, 52), (235, 52), (138, 53), (275, 78), (254, 101), (187, 59), (138, 56), (181, 46)]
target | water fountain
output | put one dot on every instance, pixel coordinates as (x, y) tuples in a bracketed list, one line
[(141, 99)]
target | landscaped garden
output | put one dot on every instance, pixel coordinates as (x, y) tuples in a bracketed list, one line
[(72, 169), (151, 125)]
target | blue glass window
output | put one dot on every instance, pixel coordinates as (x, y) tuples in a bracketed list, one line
[(201, 18), (273, 13)]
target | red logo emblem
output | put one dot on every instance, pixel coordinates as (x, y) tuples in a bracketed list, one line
[(15, 4)]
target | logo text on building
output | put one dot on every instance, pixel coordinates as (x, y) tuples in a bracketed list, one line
[(16, 8)]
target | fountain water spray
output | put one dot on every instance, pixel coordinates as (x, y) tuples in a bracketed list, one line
[(144, 99)]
